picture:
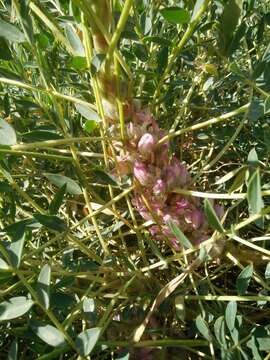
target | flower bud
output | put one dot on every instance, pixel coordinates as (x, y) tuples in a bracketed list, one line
[(144, 117), (177, 174), (141, 173), (196, 218), (146, 144), (159, 187), (175, 244), (133, 132), (154, 230), (181, 204), (167, 218)]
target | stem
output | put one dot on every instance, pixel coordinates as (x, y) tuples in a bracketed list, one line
[(36, 154), (216, 195), (191, 27), (157, 343), (25, 86), (53, 143), (117, 33), (209, 122)]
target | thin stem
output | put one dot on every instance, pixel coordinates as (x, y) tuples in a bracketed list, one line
[(117, 33), (36, 155), (191, 27), (25, 86), (207, 123), (53, 143)]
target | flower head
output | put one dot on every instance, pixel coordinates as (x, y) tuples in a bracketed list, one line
[(141, 173), (159, 187), (176, 174), (146, 144)]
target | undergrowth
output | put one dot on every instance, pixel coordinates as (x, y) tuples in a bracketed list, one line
[(90, 266)]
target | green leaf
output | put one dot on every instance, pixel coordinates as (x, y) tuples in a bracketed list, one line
[(264, 343), (104, 178), (88, 305), (123, 355), (57, 200), (86, 341), (40, 135), (60, 180), (256, 110), (253, 158), (90, 126), (162, 59), (3, 265), (7, 134), (87, 112), (267, 105), (229, 20), (15, 307), (243, 279), (180, 235), (260, 341), (49, 334), (175, 15), (51, 222), (5, 53), (74, 41), (219, 329), (212, 216), (78, 63), (267, 138), (254, 193), (43, 286), (10, 32), (254, 346), (141, 52), (267, 273), (13, 351), (203, 328), (230, 314), (157, 40), (97, 63), (15, 250), (180, 307)]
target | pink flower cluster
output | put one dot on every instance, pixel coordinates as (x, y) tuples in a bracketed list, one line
[(157, 176)]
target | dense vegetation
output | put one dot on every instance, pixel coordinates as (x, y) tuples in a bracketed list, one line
[(91, 91)]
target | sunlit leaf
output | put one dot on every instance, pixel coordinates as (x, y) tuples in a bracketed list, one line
[(51, 222), (180, 235), (175, 15), (49, 334), (86, 341), (230, 314), (15, 307), (43, 286), (7, 134), (13, 351), (243, 279), (203, 328), (60, 180), (212, 217), (10, 32)]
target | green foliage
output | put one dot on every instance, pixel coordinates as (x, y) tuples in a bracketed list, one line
[(49, 334), (175, 15), (212, 216), (79, 269), (180, 235), (86, 341), (15, 307)]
